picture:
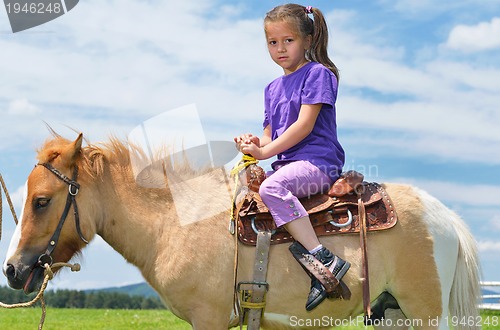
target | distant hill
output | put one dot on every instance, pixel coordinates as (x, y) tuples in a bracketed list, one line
[(139, 289)]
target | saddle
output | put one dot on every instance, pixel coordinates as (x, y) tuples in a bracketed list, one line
[(334, 213), (350, 206)]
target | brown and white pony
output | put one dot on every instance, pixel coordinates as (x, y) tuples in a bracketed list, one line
[(428, 261)]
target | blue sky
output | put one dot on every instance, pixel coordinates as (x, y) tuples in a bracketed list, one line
[(418, 100)]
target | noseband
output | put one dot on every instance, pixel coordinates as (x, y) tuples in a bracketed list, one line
[(73, 188)]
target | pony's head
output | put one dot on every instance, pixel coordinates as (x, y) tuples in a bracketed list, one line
[(51, 227)]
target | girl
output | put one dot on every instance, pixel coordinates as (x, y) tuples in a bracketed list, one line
[(300, 129)]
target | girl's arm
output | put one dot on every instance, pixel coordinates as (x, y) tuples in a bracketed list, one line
[(290, 137)]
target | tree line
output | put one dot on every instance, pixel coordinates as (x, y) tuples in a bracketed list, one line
[(83, 299)]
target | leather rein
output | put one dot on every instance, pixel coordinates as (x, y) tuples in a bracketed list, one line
[(73, 189)]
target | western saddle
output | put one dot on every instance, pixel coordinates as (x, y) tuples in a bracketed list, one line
[(350, 206), (333, 213)]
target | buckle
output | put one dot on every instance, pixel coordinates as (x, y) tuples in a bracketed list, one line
[(246, 294)]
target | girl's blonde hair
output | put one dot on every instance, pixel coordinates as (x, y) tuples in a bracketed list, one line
[(316, 27)]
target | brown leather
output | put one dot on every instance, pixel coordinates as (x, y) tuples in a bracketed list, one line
[(364, 257), (255, 175), (259, 284), (346, 184), (380, 214), (314, 267)]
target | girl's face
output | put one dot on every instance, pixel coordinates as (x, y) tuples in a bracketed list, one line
[(286, 46)]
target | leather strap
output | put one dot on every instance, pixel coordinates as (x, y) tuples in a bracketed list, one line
[(73, 188), (259, 284), (364, 256), (233, 229)]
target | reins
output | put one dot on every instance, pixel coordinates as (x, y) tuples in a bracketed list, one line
[(47, 262)]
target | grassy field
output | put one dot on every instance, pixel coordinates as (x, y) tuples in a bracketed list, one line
[(102, 319), (91, 319)]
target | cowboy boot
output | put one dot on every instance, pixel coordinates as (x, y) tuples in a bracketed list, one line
[(336, 265)]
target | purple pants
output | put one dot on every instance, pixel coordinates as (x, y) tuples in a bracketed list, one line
[(281, 190)]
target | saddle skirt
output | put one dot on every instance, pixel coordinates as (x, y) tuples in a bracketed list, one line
[(330, 214)]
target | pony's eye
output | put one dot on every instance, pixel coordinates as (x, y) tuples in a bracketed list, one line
[(40, 203)]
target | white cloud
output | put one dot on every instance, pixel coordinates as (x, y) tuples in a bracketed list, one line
[(444, 129), (22, 107), (495, 222), (458, 193), (467, 78), (124, 62), (17, 197), (105, 65), (473, 38), (428, 9), (488, 246), (437, 107)]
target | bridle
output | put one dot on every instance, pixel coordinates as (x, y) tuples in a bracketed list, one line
[(73, 189)]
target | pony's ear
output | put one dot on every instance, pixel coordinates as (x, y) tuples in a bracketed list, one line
[(72, 151)]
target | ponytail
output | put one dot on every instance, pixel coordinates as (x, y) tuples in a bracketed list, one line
[(319, 45), (316, 27)]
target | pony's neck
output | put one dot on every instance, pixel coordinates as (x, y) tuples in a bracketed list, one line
[(143, 225), (135, 220)]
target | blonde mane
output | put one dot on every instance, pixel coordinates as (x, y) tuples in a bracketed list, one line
[(118, 155)]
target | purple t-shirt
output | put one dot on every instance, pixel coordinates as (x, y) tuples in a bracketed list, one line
[(311, 84)]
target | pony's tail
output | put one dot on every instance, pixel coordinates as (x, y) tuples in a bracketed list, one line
[(466, 289)]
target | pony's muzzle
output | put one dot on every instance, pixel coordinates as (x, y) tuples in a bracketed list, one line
[(16, 276)]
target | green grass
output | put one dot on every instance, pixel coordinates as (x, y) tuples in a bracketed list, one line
[(91, 319), (114, 319)]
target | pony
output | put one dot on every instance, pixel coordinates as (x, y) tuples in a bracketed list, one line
[(428, 261)]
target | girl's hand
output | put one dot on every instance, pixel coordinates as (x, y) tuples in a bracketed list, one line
[(246, 139), (252, 149)]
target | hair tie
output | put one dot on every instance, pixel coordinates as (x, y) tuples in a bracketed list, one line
[(308, 9)]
